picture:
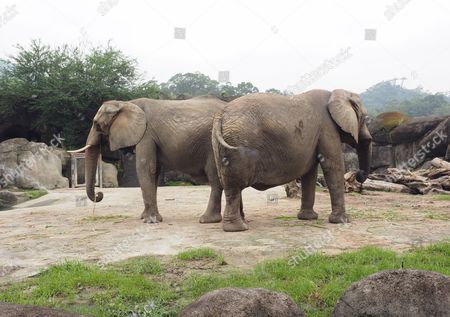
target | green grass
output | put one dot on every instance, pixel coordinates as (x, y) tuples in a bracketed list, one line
[(285, 218), (436, 216), (441, 197), (315, 282), (35, 193), (201, 254)]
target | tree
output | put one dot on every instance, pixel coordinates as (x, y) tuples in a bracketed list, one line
[(192, 84), (58, 90), (245, 88), (436, 104), (274, 91)]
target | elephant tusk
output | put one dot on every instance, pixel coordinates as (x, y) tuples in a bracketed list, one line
[(80, 150)]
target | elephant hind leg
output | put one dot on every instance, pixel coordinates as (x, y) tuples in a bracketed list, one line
[(214, 208), (308, 195), (232, 219)]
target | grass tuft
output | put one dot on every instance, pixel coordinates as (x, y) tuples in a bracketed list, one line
[(442, 197)]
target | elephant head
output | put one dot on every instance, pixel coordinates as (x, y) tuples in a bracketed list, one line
[(124, 124), (350, 115)]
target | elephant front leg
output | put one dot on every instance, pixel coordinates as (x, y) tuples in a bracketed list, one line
[(308, 182), (232, 220), (148, 174), (333, 169)]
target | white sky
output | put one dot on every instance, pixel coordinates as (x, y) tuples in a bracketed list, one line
[(269, 43)]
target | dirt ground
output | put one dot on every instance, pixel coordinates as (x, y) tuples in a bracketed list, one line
[(61, 225)]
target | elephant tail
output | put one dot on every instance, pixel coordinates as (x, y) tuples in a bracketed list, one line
[(217, 133)]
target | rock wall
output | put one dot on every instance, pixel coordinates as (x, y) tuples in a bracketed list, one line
[(28, 165)]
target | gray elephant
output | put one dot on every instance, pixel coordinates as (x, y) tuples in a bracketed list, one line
[(265, 140), (175, 134)]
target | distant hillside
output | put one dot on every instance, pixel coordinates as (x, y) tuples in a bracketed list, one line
[(385, 96), (377, 97)]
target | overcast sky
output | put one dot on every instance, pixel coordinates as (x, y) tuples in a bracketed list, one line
[(300, 44)]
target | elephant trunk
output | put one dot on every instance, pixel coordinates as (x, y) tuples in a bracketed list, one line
[(91, 159), (364, 150)]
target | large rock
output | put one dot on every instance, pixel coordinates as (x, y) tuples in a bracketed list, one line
[(30, 165), (243, 302), (109, 175), (13, 310), (397, 293), (7, 199)]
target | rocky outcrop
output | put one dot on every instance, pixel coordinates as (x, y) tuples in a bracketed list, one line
[(109, 175), (25, 164), (407, 142), (243, 302), (397, 293)]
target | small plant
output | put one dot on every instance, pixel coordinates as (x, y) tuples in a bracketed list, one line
[(35, 193), (200, 254)]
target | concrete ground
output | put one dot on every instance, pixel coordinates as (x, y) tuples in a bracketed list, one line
[(63, 225)]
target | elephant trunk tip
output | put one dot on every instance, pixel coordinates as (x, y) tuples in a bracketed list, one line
[(361, 176), (98, 197)]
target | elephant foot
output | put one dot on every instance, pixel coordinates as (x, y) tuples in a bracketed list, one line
[(234, 226), (307, 215), (152, 218), (242, 215), (339, 218), (211, 218)]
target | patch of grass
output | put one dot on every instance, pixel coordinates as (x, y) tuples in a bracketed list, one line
[(140, 265), (441, 197), (201, 254), (35, 193), (436, 216), (140, 287), (178, 183), (116, 218), (318, 281), (90, 290)]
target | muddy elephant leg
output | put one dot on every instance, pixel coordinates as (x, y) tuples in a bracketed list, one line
[(148, 172), (232, 220), (332, 164), (308, 195)]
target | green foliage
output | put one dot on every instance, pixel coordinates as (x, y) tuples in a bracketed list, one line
[(35, 193), (197, 254), (274, 91), (442, 197), (385, 96), (318, 281), (141, 287), (190, 84), (436, 104), (197, 84), (59, 90)]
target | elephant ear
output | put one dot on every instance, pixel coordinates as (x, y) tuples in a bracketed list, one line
[(346, 109), (128, 127)]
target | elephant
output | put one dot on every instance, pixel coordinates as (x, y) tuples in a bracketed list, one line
[(175, 134), (266, 140)]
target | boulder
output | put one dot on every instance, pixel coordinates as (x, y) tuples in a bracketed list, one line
[(109, 175), (14, 310), (7, 199), (243, 302), (293, 189), (397, 293), (30, 165)]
